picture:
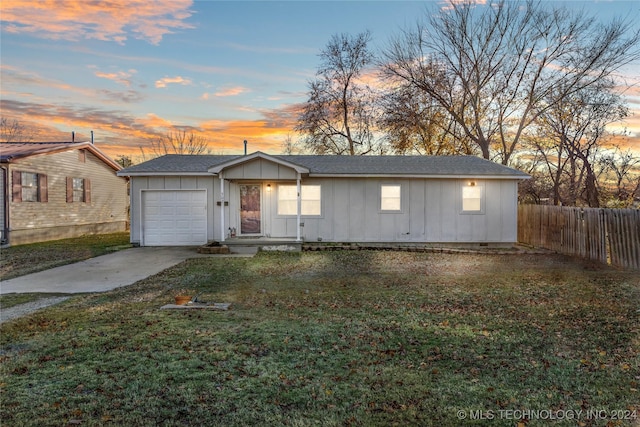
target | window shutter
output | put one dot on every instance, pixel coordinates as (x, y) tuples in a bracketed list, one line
[(16, 185), (87, 190), (69, 189), (43, 192)]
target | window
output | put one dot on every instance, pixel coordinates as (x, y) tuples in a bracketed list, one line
[(29, 187), (78, 190), (472, 195), (310, 200), (390, 199)]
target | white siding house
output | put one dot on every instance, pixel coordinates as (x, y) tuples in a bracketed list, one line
[(191, 200)]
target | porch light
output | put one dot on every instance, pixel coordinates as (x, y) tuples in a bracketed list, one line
[(268, 187), (472, 183)]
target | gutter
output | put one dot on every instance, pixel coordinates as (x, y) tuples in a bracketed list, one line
[(420, 176), (172, 173), (346, 175)]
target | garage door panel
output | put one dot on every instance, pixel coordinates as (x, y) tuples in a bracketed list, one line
[(186, 211), (185, 197), (174, 218)]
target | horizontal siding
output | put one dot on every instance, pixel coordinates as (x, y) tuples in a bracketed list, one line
[(108, 203), (3, 177)]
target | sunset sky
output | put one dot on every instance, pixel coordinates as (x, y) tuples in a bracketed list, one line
[(130, 70)]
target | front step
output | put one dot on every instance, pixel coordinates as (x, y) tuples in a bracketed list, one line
[(253, 245)]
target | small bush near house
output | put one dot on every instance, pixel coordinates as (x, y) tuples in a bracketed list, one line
[(336, 338)]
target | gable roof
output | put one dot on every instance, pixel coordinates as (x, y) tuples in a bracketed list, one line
[(331, 165), (11, 151), (257, 155)]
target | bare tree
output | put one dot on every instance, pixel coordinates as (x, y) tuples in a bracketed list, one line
[(289, 146), (338, 117), (415, 124), (176, 142), (571, 136), (12, 130), (494, 69), (124, 160), (623, 164)]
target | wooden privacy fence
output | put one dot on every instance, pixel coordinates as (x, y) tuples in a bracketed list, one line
[(606, 235)]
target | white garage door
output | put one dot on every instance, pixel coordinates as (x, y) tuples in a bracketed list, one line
[(174, 218)]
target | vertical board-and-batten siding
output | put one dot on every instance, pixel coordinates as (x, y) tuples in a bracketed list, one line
[(259, 169), (108, 200), (431, 209), (209, 183), (431, 212)]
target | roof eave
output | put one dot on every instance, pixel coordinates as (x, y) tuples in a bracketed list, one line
[(173, 173), (257, 155), (430, 176), (72, 146)]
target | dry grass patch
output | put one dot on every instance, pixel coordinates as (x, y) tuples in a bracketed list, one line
[(333, 338), (25, 259)]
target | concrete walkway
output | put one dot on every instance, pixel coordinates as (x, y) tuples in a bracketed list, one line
[(102, 273)]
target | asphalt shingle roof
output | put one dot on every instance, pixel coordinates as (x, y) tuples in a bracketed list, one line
[(340, 165), (401, 165), (177, 163), (14, 151), (17, 150)]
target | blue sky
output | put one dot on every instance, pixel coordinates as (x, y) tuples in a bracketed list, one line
[(229, 70)]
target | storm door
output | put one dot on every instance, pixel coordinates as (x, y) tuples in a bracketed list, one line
[(250, 209)]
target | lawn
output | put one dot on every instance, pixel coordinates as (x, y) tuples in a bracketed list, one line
[(24, 259), (367, 338)]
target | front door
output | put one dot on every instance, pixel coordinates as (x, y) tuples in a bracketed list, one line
[(250, 209)]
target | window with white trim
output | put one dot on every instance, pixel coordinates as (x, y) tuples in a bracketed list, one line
[(391, 197), (311, 203), (472, 197)]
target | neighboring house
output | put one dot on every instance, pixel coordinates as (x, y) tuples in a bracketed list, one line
[(59, 190), (193, 199)]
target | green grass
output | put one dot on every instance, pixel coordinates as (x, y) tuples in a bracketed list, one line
[(11, 300), (333, 338), (25, 259)]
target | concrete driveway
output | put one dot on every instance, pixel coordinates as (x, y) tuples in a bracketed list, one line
[(101, 273)]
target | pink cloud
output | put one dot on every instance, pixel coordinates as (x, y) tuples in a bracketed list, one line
[(108, 21), (163, 82), (122, 77), (450, 4), (232, 91)]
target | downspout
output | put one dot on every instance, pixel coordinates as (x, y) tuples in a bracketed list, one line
[(5, 225), (299, 208), (221, 206)]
